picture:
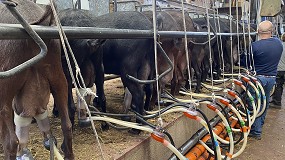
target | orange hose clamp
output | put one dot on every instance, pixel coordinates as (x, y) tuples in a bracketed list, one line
[(229, 155), (246, 79), (191, 116), (225, 101), (157, 137), (211, 107), (232, 93), (237, 82)]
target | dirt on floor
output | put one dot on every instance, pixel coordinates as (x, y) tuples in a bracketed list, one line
[(85, 146), (114, 142)]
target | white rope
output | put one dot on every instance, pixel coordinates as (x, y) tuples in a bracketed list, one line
[(159, 121), (186, 50), (238, 43), (64, 38), (220, 47), (249, 37), (210, 51), (231, 41), (248, 66)]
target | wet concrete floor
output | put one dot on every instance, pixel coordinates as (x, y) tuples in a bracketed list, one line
[(272, 144)]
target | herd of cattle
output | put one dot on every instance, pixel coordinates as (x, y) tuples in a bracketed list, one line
[(27, 93)]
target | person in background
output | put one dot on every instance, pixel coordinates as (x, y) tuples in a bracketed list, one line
[(266, 55), (280, 79)]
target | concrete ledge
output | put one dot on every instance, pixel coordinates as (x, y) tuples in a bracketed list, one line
[(181, 129)]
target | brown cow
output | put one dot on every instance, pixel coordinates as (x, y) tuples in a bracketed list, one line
[(181, 65), (27, 93), (171, 47)]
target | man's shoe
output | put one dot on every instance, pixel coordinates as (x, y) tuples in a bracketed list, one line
[(257, 137), (273, 105)]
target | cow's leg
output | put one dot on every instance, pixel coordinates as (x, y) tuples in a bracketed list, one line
[(174, 81), (99, 82), (59, 90), (22, 125), (205, 68), (44, 126), (216, 64), (71, 105), (148, 97), (137, 96), (178, 77), (97, 61), (70, 102), (8, 136), (198, 57)]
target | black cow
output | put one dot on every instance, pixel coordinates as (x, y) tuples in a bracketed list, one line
[(123, 57), (134, 57), (219, 45), (83, 50)]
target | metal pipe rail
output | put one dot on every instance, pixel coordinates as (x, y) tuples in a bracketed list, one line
[(15, 31), (29, 32)]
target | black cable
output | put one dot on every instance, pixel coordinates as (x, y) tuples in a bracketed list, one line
[(210, 130), (169, 137), (112, 114), (145, 122)]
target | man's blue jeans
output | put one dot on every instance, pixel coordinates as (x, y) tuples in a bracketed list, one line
[(267, 83)]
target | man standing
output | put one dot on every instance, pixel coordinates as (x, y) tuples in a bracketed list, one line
[(266, 55), (280, 79)]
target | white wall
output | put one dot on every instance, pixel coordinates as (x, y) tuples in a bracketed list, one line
[(84, 3)]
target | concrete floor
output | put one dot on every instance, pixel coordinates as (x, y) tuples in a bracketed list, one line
[(272, 144)]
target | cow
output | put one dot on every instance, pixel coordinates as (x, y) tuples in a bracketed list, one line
[(124, 57), (84, 50), (26, 94), (218, 45), (181, 66)]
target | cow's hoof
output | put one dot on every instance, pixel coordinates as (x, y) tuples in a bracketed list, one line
[(55, 112), (126, 118), (46, 142), (84, 122), (34, 121), (134, 131), (104, 126), (197, 91), (96, 102), (27, 155)]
